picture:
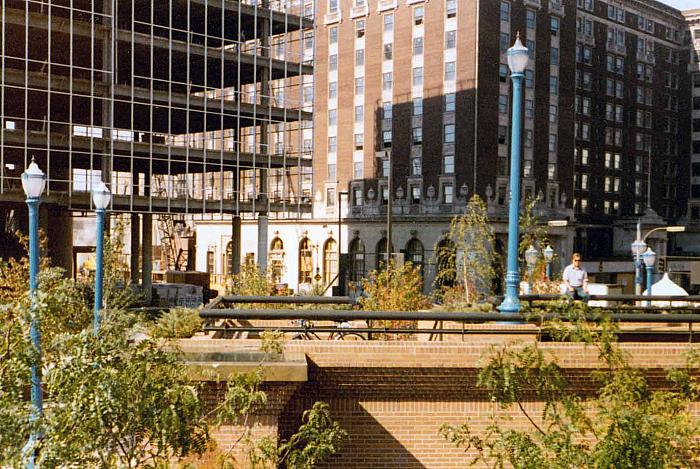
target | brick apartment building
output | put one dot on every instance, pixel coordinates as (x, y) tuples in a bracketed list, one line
[(693, 41), (425, 84)]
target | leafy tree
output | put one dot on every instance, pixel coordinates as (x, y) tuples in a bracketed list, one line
[(177, 323), (626, 424), (396, 288), (471, 255), (532, 233)]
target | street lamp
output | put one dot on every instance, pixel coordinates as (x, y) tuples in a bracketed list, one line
[(33, 183), (548, 258), (649, 258), (517, 61), (640, 245), (100, 198), (531, 259)]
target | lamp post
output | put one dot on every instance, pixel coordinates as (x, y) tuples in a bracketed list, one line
[(531, 259), (639, 247), (517, 61), (548, 258), (649, 258), (389, 209), (33, 183), (100, 198)]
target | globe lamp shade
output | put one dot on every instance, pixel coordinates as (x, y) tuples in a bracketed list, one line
[(531, 256), (548, 254), (649, 257), (518, 56), (638, 248), (33, 181), (101, 196)]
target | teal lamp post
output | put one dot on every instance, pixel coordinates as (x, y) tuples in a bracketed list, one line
[(548, 258), (517, 61), (33, 183), (649, 258), (100, 199)]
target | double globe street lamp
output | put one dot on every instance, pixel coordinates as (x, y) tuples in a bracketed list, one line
[(639, 248), (518, 57)]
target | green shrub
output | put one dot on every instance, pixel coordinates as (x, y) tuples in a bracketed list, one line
[(178, 323)]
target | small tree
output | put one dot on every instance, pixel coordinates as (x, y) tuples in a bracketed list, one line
[(626, 424), (532, 233), (396, 288), (471, 255)]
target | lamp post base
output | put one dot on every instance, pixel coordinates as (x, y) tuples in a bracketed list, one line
[(510, 305)]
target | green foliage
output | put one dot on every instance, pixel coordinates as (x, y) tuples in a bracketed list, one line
[(532, 233), (116, 293), (397, 288), (250, 282), (472, 259), (178, 323), (626, 424)]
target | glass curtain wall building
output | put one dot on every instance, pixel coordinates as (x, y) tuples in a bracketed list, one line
[(180, 106)]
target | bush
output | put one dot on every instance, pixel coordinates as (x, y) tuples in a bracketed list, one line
[(178, 323)]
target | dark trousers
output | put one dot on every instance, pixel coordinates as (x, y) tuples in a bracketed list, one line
[(578, 294)]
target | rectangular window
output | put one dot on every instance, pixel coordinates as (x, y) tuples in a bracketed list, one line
[(331, 172), (332, 90), (529, 109), (503, 104), (554, 85), (504, 42), (450, 102), (417, 45), (359, 141), (450, 39), (332, 117), (417, 106), (358, 173), (417, 75), (503, 134), (448, 164), (531, 18), (387, 81), (333, 63), (418, 16), (552, 142), (360, 28), (359, 114), (450, 71), (554, 56), (387, 109), (447, 194), (416, 166), (451, 8), (505, 11), (449, 133), (554, 25), (330, 197), (388, 23), (529, 79), (332, 6), (388, 51), (332, 148), (417, 135), (360, 85), (503, 73), (359, 57), (415, 194)]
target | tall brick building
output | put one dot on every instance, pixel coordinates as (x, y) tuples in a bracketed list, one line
[(425, 84)]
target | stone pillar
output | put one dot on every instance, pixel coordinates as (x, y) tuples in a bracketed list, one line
[(236, 244), (262, 242), (147, 254), (135, 226)]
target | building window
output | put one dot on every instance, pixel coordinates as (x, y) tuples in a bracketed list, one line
[(505, 11), (531, 19), (552, 142), (554, 56), (554, 25), (554, 85), (356, 250), (359, 57), (333, 35), (529, 79), (387, 81), (330, 262), (332, 117), (359, 85), (417, 135), (450, 102), (451, 8), (416, 166), (418, 16), (417, 76), (503, 73), (331, 172), (503, 135), (414, 254), (450, 71), (330, 197), (332, 145), (447, 194), (387, 109), (359, 141), (503, 104), (332, 90), (360, 28), (388, 51), (449, 133), (210, 262), (305, 261), (450, 39), (358, 171), (417, 45), (417, 106), (529, 109), (448, 164), (359, 114), (504, 42), (333, 62), (415, 194), (388, 23)]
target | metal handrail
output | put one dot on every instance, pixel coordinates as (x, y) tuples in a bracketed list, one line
[(327, 300)]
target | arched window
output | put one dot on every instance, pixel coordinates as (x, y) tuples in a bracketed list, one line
[(305, 261), (381, 254), (356, 251), (330, 262), (228, 259), (414, 253), (276, 260), (446, 263)]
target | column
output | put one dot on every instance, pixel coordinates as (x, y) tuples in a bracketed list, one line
[(262, 242), (147, 254), (135, 226), (236, 244)]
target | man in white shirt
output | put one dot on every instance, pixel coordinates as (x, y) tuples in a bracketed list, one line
[(576, 279)]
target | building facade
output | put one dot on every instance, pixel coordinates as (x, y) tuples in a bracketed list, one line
[(693, 42), (186, 109)]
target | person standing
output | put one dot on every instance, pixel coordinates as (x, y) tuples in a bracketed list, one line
[(576, 279)]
